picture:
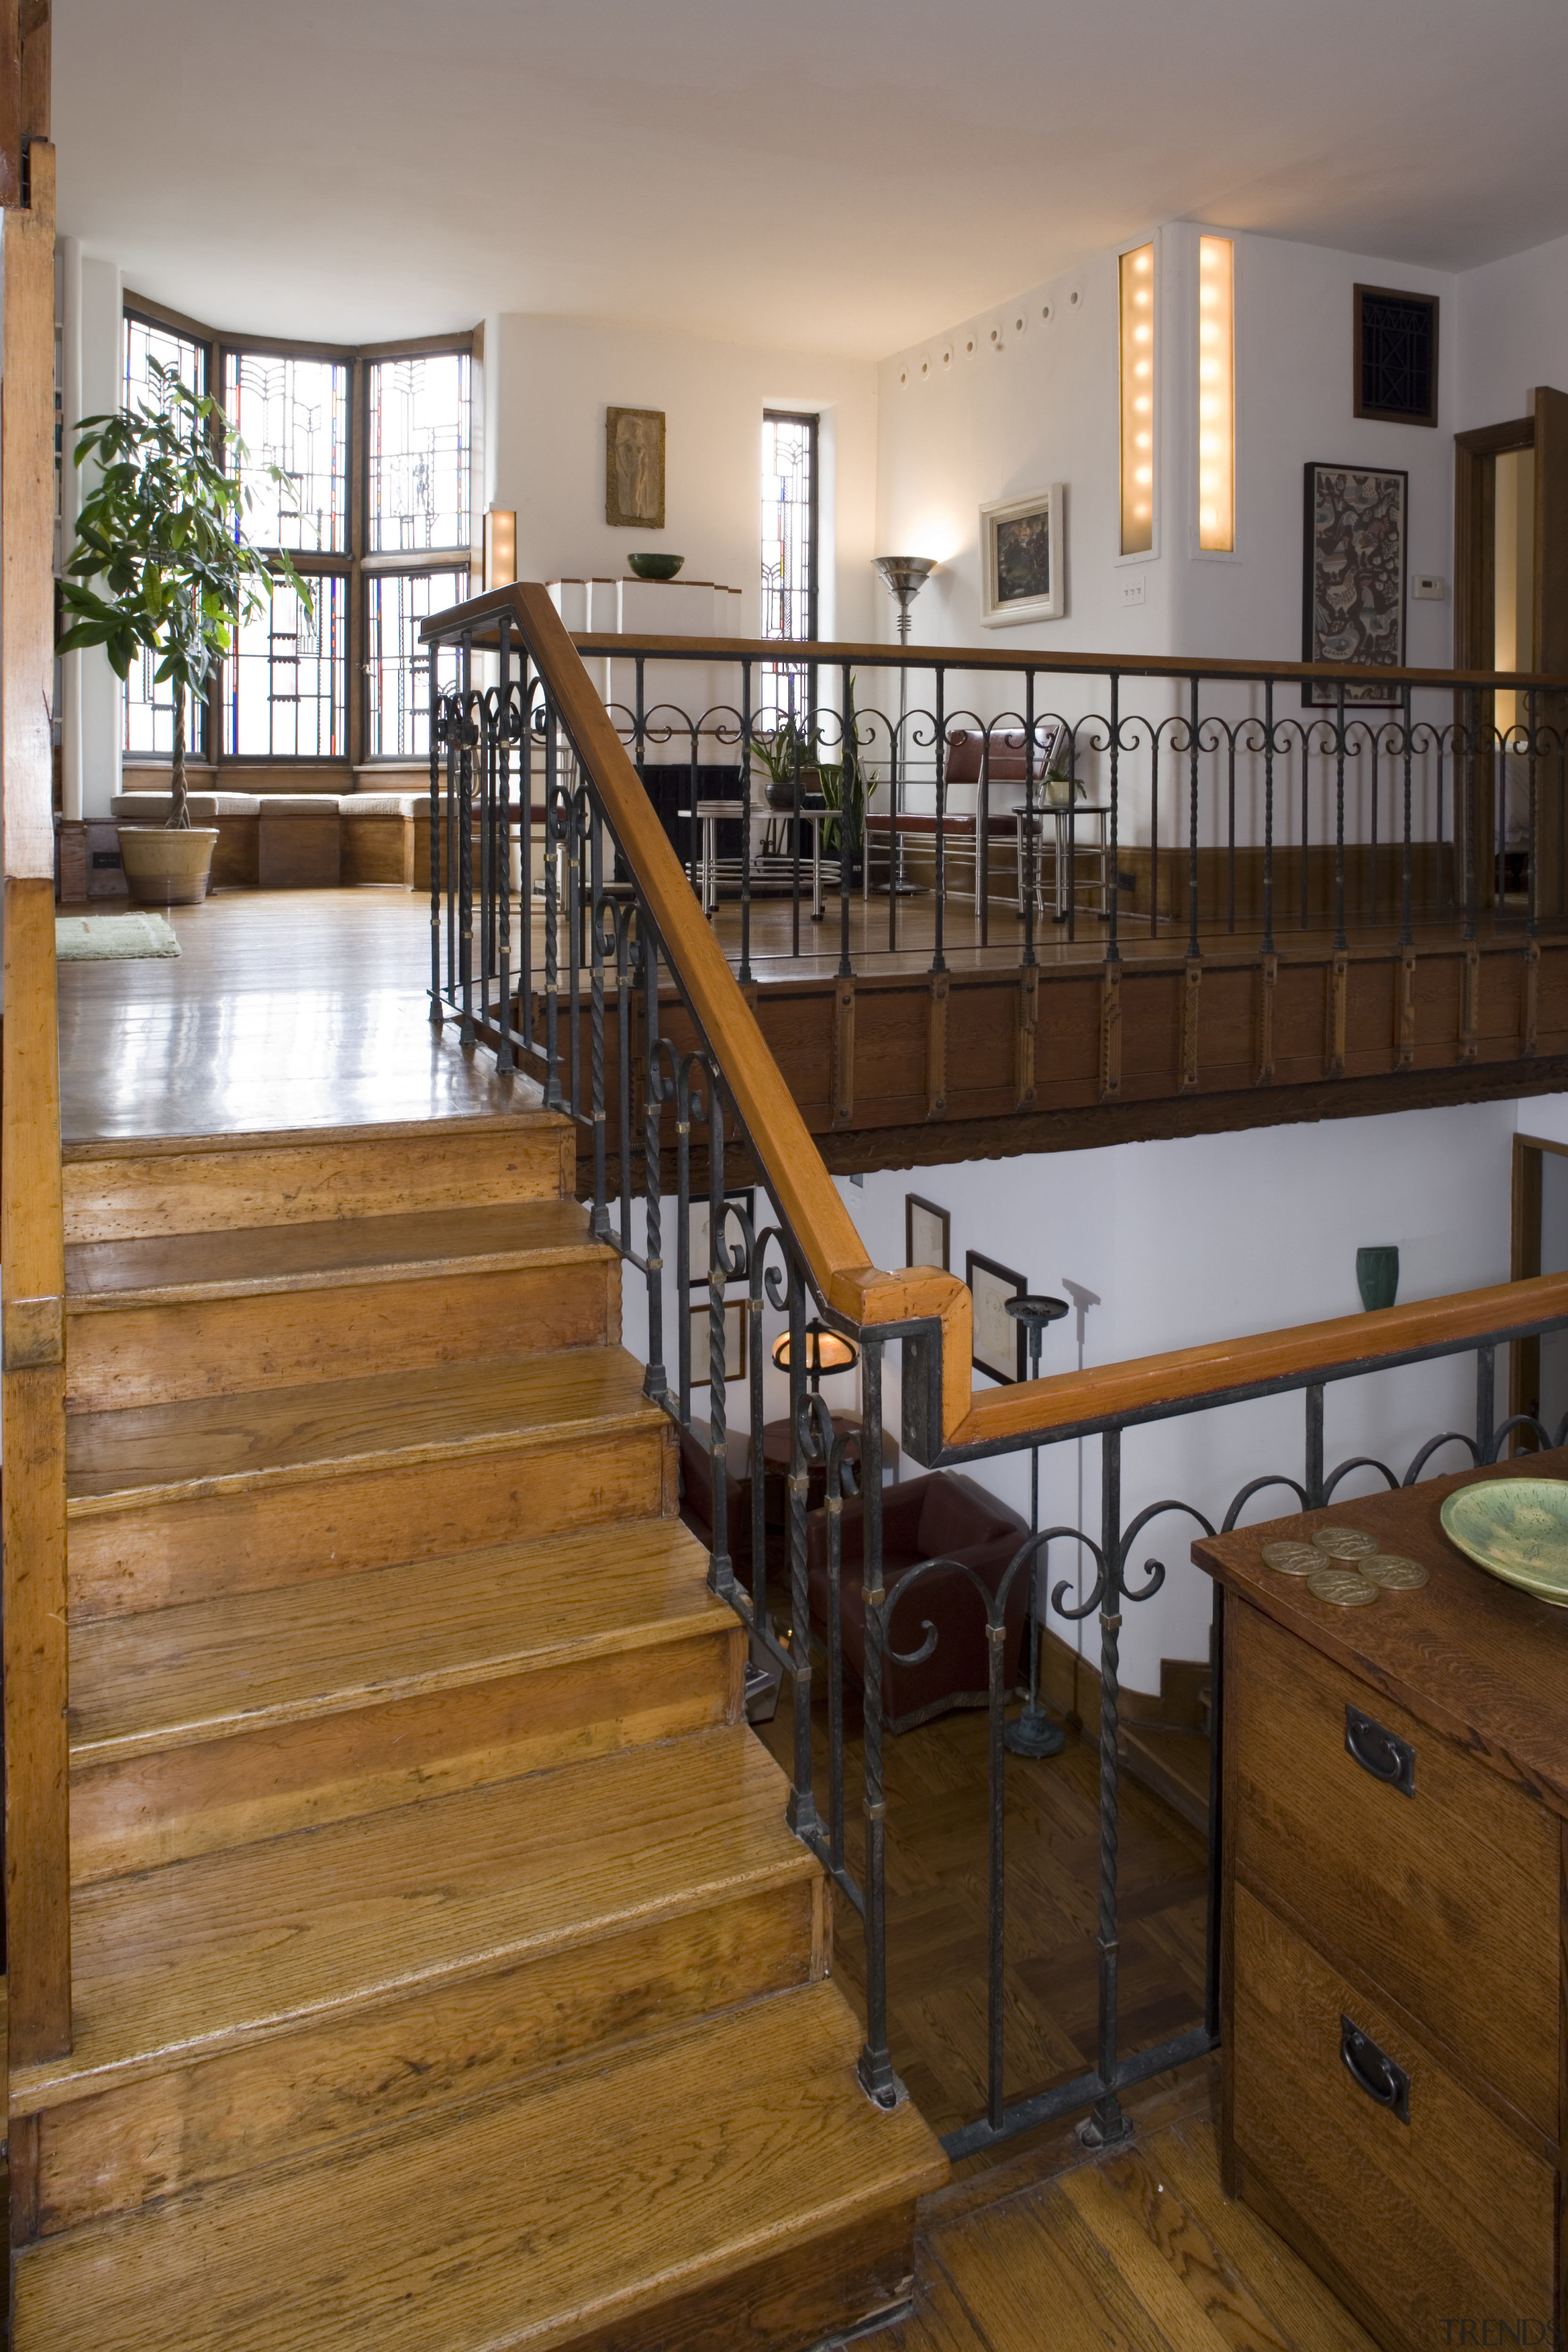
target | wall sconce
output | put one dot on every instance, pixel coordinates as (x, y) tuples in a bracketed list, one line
[(825, 1351), (500, 546), (1216, 394), (1137, 280)]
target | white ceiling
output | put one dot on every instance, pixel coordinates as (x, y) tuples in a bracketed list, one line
[(839, 174)]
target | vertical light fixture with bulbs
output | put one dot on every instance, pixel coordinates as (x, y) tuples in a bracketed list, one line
[(500, 546), (1216, 394), (1138, 379)]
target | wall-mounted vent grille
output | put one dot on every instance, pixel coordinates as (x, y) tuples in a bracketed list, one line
[(1395, 355)]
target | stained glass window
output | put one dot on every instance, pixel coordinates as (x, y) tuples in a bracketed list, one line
[(292, 413), (283, 696), (788, 548), (149, 709), (397, 665), (420, 451)]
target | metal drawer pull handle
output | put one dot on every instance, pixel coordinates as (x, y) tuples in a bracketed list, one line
[(1377, 1751), (1374, 2072)]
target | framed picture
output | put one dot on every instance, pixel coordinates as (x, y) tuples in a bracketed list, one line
[(744, 1197), (1022, 545), (736, 1317), (1353, 603), (998, 1347), (927, 1231), (634, 467)]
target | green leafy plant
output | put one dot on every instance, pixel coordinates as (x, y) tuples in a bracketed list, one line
[(161, 529), (780, 751), (846, 785)]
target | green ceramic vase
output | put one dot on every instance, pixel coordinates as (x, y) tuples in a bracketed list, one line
[(1377, 1277)]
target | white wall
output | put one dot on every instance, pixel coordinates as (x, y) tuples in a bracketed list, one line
[(93, 729), (548, 382), (1512, 334), (1041, 406)]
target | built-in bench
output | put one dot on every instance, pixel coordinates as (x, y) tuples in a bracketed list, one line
[(294, 841)]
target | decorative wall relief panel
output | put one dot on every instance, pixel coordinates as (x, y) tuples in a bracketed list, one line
[(634, 467), (1354, 593)]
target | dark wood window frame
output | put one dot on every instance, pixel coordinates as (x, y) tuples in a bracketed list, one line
[(354, 564), (1428, 302)]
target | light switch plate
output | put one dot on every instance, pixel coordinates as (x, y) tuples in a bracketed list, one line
[(1132, 588), (1430, 585)]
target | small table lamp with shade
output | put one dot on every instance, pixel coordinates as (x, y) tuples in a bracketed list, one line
[(825, 1351)]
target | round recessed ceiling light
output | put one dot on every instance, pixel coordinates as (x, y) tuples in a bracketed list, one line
[(1021, 322), (971, 345), (947, 355), (997, 339), (925, 366), (1047, 313), (903, 377), (1075, 298)]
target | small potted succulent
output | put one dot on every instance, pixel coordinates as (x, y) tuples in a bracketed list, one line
[(161, 528)]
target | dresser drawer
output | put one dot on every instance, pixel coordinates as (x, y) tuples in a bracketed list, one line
[(1430, 2216), (1446, 1897)]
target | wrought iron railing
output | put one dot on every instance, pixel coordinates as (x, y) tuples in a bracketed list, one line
[(993, 795), (636, 1027)]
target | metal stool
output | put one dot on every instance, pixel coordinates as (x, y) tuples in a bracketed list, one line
[(1035, 1733)]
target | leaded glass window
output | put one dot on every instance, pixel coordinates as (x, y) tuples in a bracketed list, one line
[(292, 413), (283, 693), (420, 453), (397, 665), (788, 548)]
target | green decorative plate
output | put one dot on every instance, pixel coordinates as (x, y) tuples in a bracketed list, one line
[(1516, 1528)]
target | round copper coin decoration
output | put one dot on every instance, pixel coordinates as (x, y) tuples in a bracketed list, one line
[(1344, 1543), (1343, 1586), (1393, 1572), (1292, 1559)]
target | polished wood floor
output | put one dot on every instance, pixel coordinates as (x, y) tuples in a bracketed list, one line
[(1136, 2250), (284, 1009), (937, 1785)]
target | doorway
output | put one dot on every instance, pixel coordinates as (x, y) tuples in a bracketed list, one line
[(1538, 1367), (1510, 613)]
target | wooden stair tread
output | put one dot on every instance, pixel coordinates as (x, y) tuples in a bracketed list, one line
[(210, 1668), (226, 1443), (102, 1275), (233, 1947), (532, 1117), (529, 2220)]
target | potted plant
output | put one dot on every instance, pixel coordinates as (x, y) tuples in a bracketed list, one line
[(161, 529)]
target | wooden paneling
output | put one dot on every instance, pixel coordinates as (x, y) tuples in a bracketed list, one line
[(31, 1243)]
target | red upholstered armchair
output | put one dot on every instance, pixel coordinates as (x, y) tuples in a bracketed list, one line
[(942, 1517)]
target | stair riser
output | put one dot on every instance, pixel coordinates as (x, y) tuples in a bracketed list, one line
[(226, 1792), (371, 1175), (191, 1548), (172, 1352), (231, 2115)]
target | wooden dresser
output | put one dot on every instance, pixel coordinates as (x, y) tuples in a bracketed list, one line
[(1396, 1793)]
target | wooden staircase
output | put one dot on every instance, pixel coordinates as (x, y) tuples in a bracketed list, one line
[(443, 1972)]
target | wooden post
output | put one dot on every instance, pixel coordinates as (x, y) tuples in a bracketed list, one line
[(32, 1321)]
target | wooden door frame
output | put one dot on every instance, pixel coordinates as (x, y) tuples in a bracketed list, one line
[(1524, 1263), (1475, 529)]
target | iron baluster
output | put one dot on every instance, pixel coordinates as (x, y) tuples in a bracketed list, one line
[(1107, 2123), (551, 914), (720, 1572), (1486, 1433), (803, 1816), (1193, 730), (505, 1058), (848, 797), (656, 1380), (466, 849), (1026, 836), (1113, 948), (599, 1224), (438, 706), (1216, 1799), (745, 975), (1314, 1473), (1269, 817), (1339, 816), (939, 961), (1405, 934), (875, 2064)]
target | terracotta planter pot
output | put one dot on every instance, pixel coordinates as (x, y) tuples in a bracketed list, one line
[(165, 869)]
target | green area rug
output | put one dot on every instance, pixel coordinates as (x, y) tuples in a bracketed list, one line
[(112, 938)]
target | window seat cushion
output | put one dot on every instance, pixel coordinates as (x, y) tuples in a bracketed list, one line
[(143, 808), (380, 803)]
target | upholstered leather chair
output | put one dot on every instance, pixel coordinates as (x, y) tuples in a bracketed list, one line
[(942, 1517)]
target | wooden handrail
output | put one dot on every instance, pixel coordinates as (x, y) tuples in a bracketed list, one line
[(1228, 1367), (823, 1230), (829, 654)]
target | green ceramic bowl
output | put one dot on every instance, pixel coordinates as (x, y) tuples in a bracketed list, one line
[(1516, 1528), (655, 567)]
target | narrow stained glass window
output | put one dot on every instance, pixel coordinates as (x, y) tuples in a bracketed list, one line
[(148, 709), (789, 541), (292, 413), (397, 664), (283, 697)]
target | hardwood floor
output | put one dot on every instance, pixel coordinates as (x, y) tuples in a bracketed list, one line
[(1138, 2250), (936, 1783)]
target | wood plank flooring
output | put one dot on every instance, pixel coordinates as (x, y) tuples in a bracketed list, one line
[(936, 1782), (1135, 2250)]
